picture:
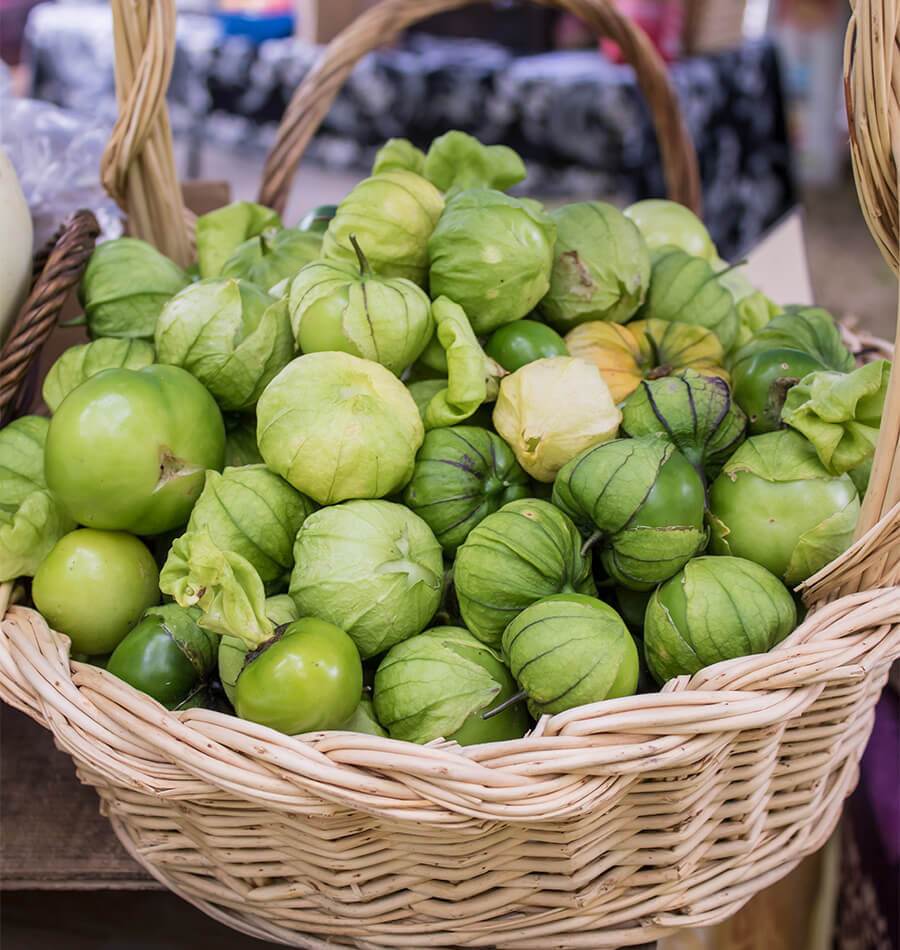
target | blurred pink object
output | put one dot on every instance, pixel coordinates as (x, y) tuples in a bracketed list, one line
[(661, 20)]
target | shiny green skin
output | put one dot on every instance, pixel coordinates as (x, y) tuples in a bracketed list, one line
[(568, 650), (462, 474), (761, 382), (415, 706), (94, 586), (764, 519), (524, 341), (641, 502), (317, 219), (716, 608), (809, 329), (128, 449), (517, 555), (308, 678), (167, 655)]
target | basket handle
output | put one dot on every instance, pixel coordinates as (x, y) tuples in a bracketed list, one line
[(61, 268), (871, 89), (381, 24)]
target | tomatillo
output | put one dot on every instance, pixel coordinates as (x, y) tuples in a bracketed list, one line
[(307, 678), (94, 585), (524, 341), (761, 381), (128, 449), (167, 655)]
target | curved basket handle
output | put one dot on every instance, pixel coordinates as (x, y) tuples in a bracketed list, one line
[(61, 273), (872, 89), (383, 22)]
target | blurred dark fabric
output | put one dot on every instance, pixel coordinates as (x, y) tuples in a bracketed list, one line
[(579, 121)]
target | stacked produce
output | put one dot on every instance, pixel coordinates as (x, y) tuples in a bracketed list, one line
[(435, 462)]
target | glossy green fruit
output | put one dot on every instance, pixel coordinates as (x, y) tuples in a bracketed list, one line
[(128, 449), (524, 341), (167, 655), (761, 382), (306, 679), (462, 474), (776, 504), (94, 585)]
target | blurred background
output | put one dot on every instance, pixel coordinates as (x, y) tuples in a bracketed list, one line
[(760, 83)]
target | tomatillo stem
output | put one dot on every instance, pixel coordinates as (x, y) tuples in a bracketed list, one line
[(590, 542), (512, 701), (365, 269)]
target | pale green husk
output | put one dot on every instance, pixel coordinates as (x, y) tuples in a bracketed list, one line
[(515, 556), (372, 568), (338, 427), (840, 413), (601, 266), (220, 233), (79, 363), (492, 255), (230, 335), (722, 608)]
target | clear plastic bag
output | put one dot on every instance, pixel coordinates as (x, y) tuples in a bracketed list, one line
[(56, 155)]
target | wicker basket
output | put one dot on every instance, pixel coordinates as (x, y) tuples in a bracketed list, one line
[(610, 824)]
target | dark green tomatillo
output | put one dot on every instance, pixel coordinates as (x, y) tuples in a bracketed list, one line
[(761, 383), (167, 655), (524, 341), (462, 474)]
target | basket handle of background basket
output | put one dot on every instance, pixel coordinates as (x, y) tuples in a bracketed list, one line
[(872, 88), (383, 22), (138, 166), (58, 271)]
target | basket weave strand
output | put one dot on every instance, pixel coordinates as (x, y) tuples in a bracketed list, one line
[(61, 268), (609, 825)]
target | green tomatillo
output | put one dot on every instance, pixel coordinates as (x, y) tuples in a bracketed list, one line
[(761, 383), (462, 474), (337, 306), (167, 655), (94, 586), (641, 502), (525, 551), (716, 608), (128, 449), (306, 678), (568, 650), (775, 503), (438, 684), (524, 341)]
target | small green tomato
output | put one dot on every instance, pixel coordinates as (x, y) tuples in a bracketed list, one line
[(94, 585)]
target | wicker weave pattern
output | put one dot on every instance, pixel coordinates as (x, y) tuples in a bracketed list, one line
[(609, 825)]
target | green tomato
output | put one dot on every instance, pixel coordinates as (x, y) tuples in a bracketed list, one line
[(524, 341), (128, 450), (307, 679), (317, 219), (761, 382), (777, 505), (94, 585), (167, 655)]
